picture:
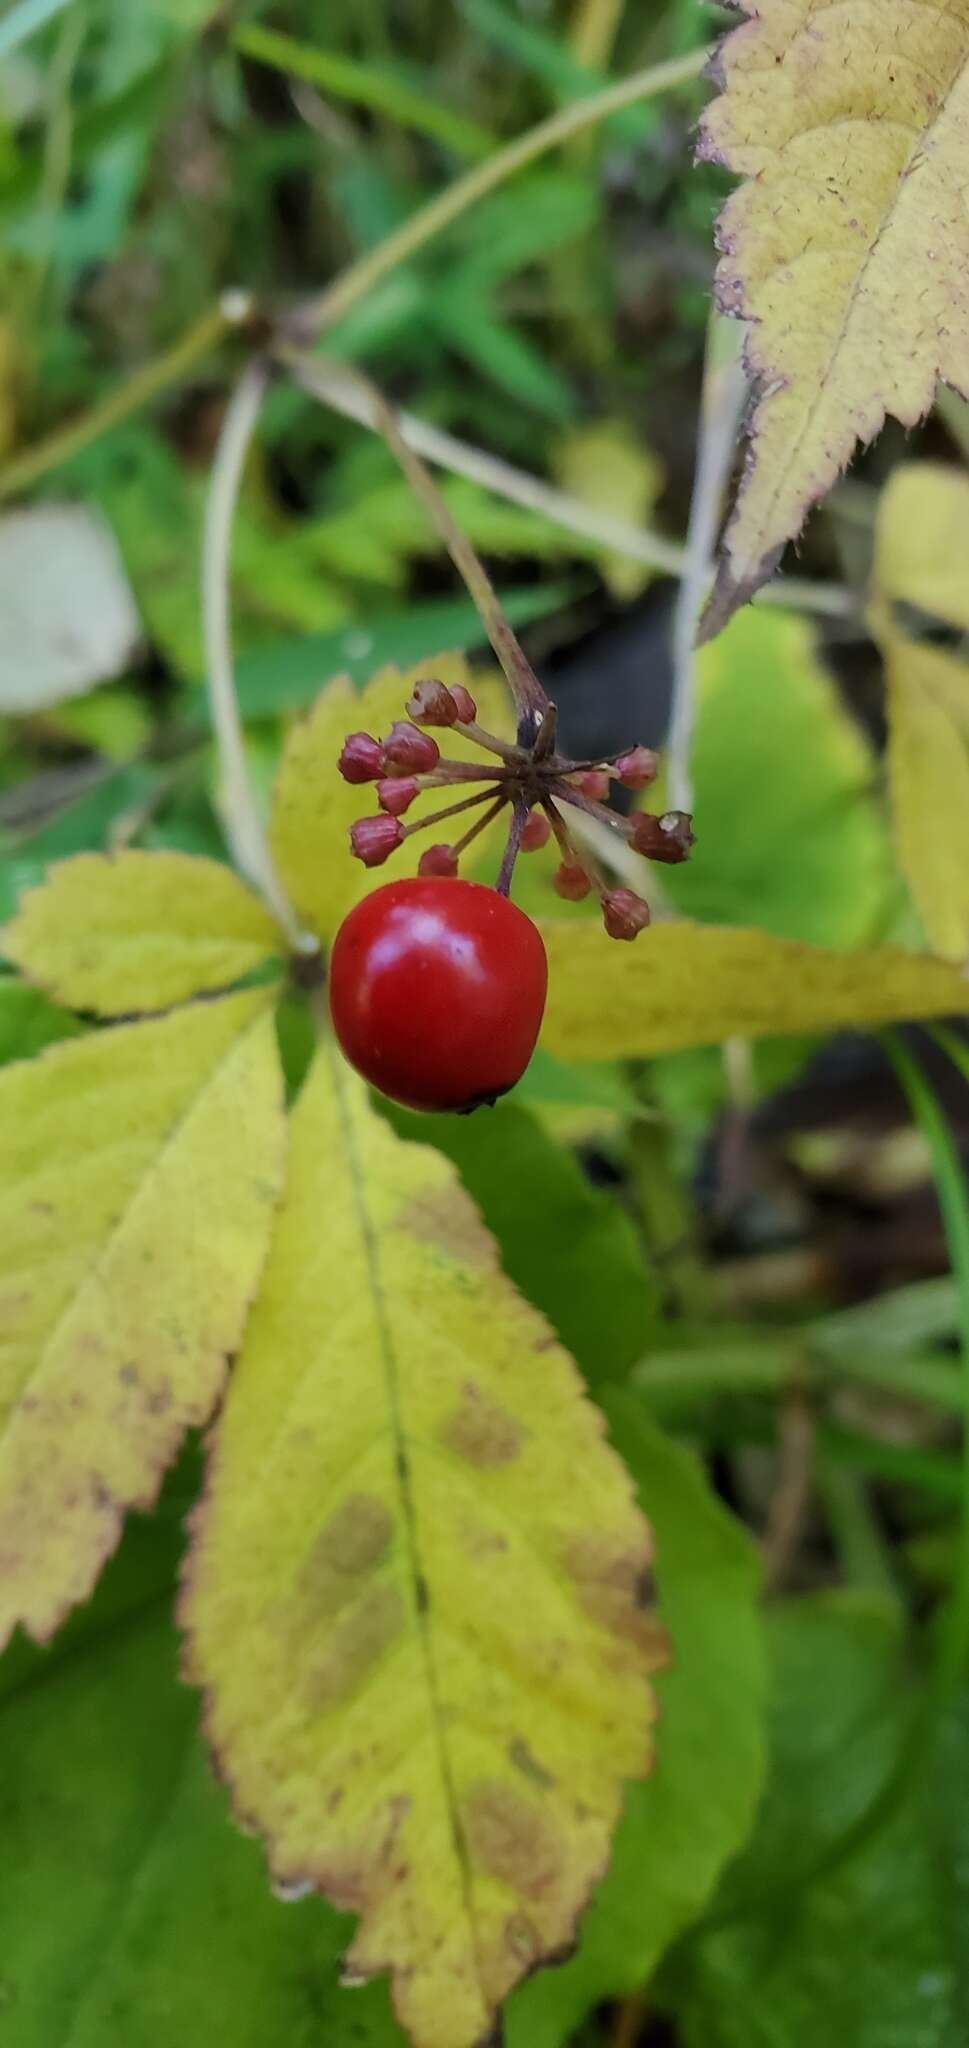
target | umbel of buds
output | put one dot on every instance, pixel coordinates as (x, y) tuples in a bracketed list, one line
[(530, 778)]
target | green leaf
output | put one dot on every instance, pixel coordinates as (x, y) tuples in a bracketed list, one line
[(570, 1248), (680, 1828), (29, 1021), (866, 1953), (291, 672), (784, 794), (132, 1910)]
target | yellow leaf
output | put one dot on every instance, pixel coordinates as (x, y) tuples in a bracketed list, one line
[(140, 1169), (417, 1591), (688, 984), (928, 762), (847, 247), (138, 931), (314, 808), (607, 467), (923, 520)]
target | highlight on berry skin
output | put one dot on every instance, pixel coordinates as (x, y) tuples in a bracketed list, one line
[(529, 778)]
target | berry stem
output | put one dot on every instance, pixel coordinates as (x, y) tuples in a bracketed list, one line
[(480, 825), (507, 869), (484, 796), (570, 795), (531, 702)]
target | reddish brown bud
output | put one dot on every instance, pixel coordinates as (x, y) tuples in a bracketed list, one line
[(571, 881), (407, 751), (467, 708), (637, 769), (438, 860), (535, 832), (432, 703), (624, 913), (360, 760), (593, 782), (668, 838), (373, 840), (396, 793)]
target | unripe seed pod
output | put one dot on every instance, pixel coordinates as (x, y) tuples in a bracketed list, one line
[(408, 751), (535, 832), (624, 913), (438, 860), (667, 839), (373, 840), (396, 793), (360, 760), (594, 783), (432, 703), (571, 881), (637, 768)]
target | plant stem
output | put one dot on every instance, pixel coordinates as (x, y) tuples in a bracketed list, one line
[(233, 310), (334, 385), (530, 698), (244, 826), (346, 292), (724, 388)]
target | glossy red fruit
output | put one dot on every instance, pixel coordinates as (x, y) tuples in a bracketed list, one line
[(437, 989)]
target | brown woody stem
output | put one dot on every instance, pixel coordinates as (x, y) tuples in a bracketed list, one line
[(467, 803)]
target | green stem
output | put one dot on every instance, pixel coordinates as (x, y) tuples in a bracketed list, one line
[(441, 212), (232, 310)]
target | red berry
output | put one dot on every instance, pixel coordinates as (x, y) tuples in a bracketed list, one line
[(437, 989), (624, 913), (535, 832), (637, 768), (438, 860), (373, 840), (571, 881), (396, 793), (361, 758), (408, 751)]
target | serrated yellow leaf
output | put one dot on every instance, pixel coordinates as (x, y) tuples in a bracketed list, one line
[(847, 247), (416, 1591), (920, 554), (117, 933), (313, 808), (690, 984), (928, 764), (141, 1166)]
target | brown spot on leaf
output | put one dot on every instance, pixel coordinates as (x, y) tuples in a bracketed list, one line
[(524, 1759), (512, 1838), (447, 1219), (355, 1539), (354, 1646), (481, 1431), (614, 1582)]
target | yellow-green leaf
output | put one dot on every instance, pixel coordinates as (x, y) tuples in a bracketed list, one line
[(607, 466), (116, 933), (928, 761), (140, 1169), (923, 520), (314, 808), (687, 984), (847, 247), (417, 1595)]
